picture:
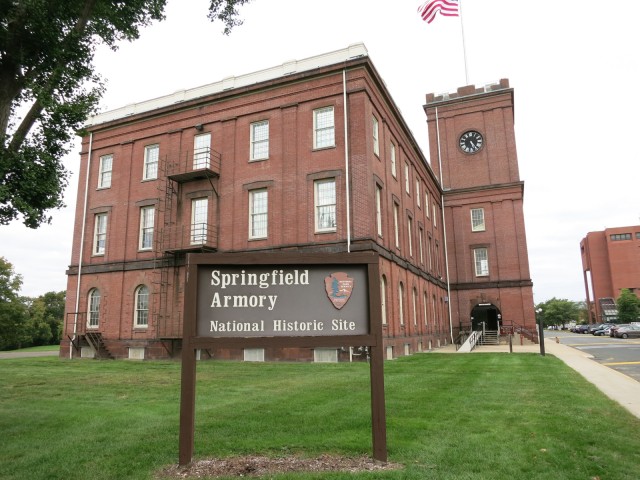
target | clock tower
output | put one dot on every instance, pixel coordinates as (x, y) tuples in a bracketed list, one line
[(473, 154)]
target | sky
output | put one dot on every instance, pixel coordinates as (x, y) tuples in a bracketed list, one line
[(572, 65)]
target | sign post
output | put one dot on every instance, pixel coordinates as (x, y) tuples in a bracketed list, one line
[(281, 300)]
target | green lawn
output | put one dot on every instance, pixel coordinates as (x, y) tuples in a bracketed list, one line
[(478, 416), (42, 348)]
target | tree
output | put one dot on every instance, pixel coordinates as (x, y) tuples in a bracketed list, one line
[(12, 308), (628, 306), (559, 312), (48, 87), (46, 314)]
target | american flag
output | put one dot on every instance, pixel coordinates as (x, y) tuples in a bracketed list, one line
[(429, 9)]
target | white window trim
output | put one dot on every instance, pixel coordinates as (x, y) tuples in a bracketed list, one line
[(202, 151), (146, 229), (414, 299), (410, 234), (376, 141), (99, 234), (394, 167), (476, 224), (93, 308), (253, 215), (383, 298), (331, 128), (105, 175), (426, 203), (407, 178), (258, 143), (379, 210), (481, 265), (401, 302), (317, 206), (199, 229), (396, 227), (137, 311), (147, 172)]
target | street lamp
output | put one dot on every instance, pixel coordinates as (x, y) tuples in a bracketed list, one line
[(540, 330)]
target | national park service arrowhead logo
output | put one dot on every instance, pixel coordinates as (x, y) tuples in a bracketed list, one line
[(339, 287)]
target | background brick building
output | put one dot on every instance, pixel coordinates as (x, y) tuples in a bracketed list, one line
[(610, 262), (309, 156)]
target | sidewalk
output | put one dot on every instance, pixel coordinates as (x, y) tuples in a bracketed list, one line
[(617, 386)]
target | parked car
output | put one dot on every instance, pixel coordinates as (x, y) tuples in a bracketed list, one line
[(595, 326), (627, 332), (607, 330), (582, 328), (612, 330), (602, 329)]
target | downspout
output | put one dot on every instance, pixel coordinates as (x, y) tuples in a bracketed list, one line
[(444, 229), (80, 253), (346, 158)]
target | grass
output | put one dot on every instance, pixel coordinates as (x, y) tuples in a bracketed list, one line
[(480, 416), (41, 348)]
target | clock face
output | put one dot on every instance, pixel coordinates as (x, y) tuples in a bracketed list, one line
[(471, 141)]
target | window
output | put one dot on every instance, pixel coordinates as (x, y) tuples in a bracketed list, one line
[(147, 216), (393, 160), (94, 308), (481, 259), (325, 202), (477, 220), (258, 208), (100, 234), (620, 236), (420, 244), (430, 253), (323, 128), (414, 299), (383, 299), (376, 144), (410, 235), (424, 307), (142, 306), (202, 151), (396, 230), (379, 209), (407, 180), (426, 203), (260, 140), (199, 207), (418, 192), (104, 175), (401, 302), (151, 155), (637, 235), (435, 216), (253, 354)]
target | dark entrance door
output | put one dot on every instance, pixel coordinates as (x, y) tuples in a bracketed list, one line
[(487, 314)]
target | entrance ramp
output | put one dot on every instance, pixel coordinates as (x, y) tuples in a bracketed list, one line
[(477, 338)]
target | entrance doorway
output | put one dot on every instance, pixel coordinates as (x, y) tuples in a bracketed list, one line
[(486, 314)]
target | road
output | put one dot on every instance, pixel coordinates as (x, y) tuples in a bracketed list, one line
[(19, 354), (617, 353)]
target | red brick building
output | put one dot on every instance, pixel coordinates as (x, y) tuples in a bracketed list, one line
[(309, 156), (610, 262), (474, 155)]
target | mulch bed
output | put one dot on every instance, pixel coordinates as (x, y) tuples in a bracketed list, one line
[(255, 466)]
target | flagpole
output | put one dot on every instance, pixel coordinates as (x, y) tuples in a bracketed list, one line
[(464, 48)]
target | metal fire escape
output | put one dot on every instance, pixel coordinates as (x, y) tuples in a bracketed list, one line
[(180, 235)]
